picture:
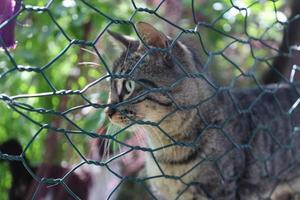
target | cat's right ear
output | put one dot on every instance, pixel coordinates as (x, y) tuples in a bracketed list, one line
[(151, 36), (124, 40)]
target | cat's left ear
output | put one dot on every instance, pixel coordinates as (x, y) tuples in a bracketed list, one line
[(152, 36), (126, 41)]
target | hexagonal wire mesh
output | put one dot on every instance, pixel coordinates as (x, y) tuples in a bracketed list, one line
[(204, 139)]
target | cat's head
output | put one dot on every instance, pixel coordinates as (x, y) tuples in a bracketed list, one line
[(153, 78)]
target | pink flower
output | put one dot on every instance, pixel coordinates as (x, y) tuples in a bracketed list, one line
[(7, 23)]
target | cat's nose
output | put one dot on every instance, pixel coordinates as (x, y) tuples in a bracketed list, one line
[(110, 111)]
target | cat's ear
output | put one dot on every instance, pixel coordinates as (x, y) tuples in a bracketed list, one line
[(126, 41), (152, 36)]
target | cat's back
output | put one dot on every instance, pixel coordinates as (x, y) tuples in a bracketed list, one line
[(271, 138), (272, 109), (282, 96)]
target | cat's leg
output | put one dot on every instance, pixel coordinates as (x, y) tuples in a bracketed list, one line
[(287, 191), (287, 196), (283, 196)]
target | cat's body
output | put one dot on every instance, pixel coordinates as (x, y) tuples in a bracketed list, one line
[(252, 156), (218, 143)]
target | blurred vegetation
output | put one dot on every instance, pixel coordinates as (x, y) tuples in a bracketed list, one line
[(231, 30)]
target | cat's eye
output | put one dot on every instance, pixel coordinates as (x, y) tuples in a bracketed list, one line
[(147, 83), (129, 85)]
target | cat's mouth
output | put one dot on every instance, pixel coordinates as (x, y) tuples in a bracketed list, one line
[(122, 117)]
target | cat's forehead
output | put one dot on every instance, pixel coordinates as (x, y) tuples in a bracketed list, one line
[(127, 61)]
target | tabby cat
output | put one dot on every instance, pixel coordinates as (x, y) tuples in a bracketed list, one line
[(208, 142)]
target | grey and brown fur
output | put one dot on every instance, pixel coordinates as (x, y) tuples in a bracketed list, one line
[(218, 143)]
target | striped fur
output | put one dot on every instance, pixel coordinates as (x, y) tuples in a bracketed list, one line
[(207, 142)]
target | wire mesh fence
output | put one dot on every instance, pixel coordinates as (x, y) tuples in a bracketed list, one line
[(195, 120)]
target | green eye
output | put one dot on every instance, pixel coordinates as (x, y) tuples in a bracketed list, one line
[(129, 85)]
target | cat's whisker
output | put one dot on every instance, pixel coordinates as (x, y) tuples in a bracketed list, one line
[(137, 135), (106, 144), (112, 129), (142, 134), (89, 63), (159, 140), (88, 51), (103, 142), (119, 150)]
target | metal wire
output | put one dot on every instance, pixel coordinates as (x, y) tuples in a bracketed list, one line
[(16, 104)]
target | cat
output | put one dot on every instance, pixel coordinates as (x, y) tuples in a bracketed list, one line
[(207, 142)]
